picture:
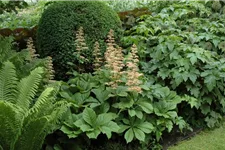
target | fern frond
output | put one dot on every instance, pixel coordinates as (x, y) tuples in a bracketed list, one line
[(8, 82), (11, 118), (44, 100), (58, 110), (5, 48), (33, 134), (28, 87)]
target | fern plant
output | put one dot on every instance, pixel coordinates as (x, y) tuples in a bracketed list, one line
[(25, 117), (24, 60)]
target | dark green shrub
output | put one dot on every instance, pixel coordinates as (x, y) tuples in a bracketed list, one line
[(59, 22)]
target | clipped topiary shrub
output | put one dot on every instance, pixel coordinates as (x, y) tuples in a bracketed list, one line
[(57, 31)]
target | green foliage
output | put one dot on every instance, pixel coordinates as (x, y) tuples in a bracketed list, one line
[(26, 118), (23, 18), (59, 22), (10, 6), (24, 60), (181, 46), (98, 109)]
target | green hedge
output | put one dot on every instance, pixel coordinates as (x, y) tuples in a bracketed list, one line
[(57, 26)]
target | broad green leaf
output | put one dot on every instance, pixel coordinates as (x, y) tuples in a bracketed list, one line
[(192, 101), (105, 118), (89, 116), (193, 78), (210, 82), (195, 91), (125, 103), (181, 123), (65, 95), (170, 46), (122, 128), (131, 112), (172, 114), (106, 130), (193, 58), (86, 127), (113, 126), (121, 91), (93, 134), (169, 125), (146, 127), (205, 109), (70, 132), (139, 114), (80, 98), (146, 106), (101, 94), (129, 135), (139, 134)]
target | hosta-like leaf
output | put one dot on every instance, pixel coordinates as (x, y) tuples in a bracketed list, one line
[(139, 134), (131, 112), (101, 95), (105, 118), (93, 134), (146, 127), (70, 132), (129, 135), (106, 130), (89, 116), (146, 106)]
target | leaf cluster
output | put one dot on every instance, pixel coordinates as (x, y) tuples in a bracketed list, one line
[(181, 45), (99, 109), (26, 118)]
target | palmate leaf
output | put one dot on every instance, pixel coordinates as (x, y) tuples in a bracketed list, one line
[(28, 87), (8, 82), (11, 118)]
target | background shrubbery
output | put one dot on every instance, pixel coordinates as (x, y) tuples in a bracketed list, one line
[(57, 27)]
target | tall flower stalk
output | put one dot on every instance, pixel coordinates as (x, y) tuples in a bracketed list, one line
[(114, 60), (132, 72)]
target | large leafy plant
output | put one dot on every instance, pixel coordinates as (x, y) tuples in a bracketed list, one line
[(26, 118), (99, 109), (187, 55)]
